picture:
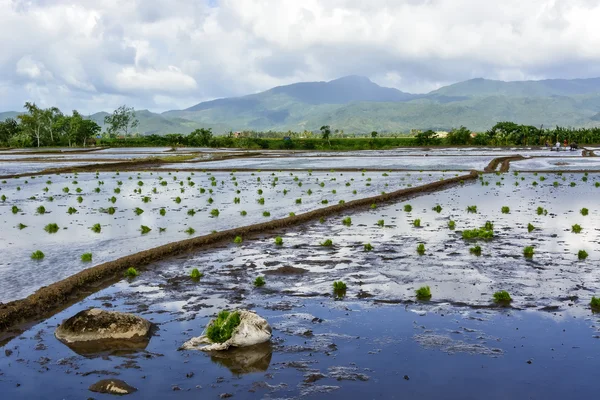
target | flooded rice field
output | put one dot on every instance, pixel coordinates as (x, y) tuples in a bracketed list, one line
[(533, 235), (169, 204), (416, 163), (557, 164)]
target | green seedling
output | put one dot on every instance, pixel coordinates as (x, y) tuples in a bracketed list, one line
[(259, 281), (131, 272), (96, 228), (196, 274), (502, 297), (327, 243), (423, 293), (476, 250), (144, 229), (37, 255), (51, 228), (368, 247), (86, 257), (421, 249)]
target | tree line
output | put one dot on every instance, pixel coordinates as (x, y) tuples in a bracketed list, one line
[(39, 127)]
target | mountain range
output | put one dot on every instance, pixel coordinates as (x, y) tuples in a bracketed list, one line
[(355, 104)]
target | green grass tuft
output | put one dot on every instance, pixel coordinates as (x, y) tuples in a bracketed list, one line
[(259, 281), (476, 250), (528, 252), (451, 225), (582, 254), (368, 247), (437, 208), (144, 229), (196, 274), (131, 272), (327, 243), (96, 228), (595, 303), (502, 297), (347, 221), (421, 249), (278, 241), (238, 240), (584, 211), (190, 231), (51, 228), (339, 286), (214, 212), (37, 255), (381, 223), (221, 329), (138, 211), (407, 208), (505, 210), (576, 228), (417, 223), (86, 257), (41, 210), (530, 227), (423, 293), (472, 209)]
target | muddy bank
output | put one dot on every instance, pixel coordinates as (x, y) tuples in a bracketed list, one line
[(505, 161), (130, 165), (48, 299)]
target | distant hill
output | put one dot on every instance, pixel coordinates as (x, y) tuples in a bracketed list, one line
[(544, 88), (357, 105), (8, 114)]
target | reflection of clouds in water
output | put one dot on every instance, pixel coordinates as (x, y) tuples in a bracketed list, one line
[(121, 232), (393, 270), (556, 163)]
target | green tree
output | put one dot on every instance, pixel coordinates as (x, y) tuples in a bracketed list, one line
[(326, 133), (52, 120), (200, 137), (122, 120), (426, 138), (374, 134), (34, 123), (8, 129), (458, 136)]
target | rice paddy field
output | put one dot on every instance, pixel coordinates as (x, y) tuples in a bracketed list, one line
[(445, 289)]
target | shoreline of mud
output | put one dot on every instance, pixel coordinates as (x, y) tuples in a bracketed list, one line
[(47, 300)]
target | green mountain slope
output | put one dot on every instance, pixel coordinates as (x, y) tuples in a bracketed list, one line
[(357, 105)]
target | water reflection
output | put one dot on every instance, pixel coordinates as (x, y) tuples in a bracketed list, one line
[(245, 360)]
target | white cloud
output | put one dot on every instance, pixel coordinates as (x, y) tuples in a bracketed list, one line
[(156, 54)]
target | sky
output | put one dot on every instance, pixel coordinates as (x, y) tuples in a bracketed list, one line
[(94, 55)]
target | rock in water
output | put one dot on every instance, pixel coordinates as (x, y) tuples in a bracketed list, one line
[(96, 330), (252, 330), (112, 386)]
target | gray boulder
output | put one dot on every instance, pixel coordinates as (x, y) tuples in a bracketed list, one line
[(95, 330)]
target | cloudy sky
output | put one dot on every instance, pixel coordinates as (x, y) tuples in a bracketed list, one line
[(94, 55)]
